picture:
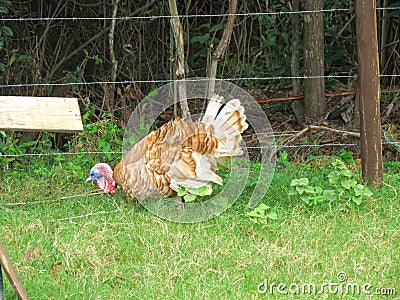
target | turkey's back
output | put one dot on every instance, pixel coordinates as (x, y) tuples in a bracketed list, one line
[(167, 157)]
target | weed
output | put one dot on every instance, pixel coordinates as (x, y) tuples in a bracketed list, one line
[(262, 214), (341, 187)]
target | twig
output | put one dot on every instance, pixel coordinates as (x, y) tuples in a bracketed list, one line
[(319, 128), (327, 94), (95, 37), (349, 133), (114, 62), (295, 137), (222, 46)]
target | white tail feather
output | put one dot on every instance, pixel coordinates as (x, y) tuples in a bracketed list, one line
[(228, 123)]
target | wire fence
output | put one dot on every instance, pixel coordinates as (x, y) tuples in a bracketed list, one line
[(164, 81), (277, 147), (154, 17)]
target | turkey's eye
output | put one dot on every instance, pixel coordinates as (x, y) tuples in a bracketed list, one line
[(92, 173)]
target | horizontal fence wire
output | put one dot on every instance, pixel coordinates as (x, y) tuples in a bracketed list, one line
[(154, 17), (194, 79), (277, 147)]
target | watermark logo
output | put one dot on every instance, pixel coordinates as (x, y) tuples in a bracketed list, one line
[(342, 286), (153, 105)]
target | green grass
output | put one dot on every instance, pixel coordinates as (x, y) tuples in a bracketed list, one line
[(106, 247)]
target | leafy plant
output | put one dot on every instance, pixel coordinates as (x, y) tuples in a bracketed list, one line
[(283, 157), (77, 74), (262, 214), (341, 187), (102, 136), (9, 56), (190, 194), (347, 156)]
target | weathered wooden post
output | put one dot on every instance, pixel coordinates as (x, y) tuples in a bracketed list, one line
[(369, 91), (1, 285), (12, 275), (314, 87)]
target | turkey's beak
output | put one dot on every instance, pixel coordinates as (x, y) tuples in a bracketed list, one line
[(89, 179)]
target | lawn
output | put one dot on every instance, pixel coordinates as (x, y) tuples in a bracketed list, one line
[(108, 247)]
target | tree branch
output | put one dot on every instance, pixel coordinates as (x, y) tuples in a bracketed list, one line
[(179, 60), (222, 46)]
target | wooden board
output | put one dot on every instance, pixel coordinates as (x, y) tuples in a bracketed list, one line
[(40, 114)]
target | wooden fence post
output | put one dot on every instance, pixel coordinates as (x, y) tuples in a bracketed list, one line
[(12, 275), (369, 91)]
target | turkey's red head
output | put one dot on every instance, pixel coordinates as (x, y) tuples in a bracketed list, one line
[(103, 175)]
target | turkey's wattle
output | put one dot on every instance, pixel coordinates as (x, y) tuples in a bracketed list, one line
[(182, 152)]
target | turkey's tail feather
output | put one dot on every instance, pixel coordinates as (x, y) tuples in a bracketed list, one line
[(227, 121)]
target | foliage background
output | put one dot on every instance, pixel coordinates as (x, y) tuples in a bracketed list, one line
[(62, 51)]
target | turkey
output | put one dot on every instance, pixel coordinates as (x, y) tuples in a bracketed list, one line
[(181, 153)]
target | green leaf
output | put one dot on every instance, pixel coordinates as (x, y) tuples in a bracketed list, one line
[(205, 25), (181, 192), (7, 30), (304, 181), (357, 199), (263, 206), (6, 2), (201, 191), (189, 198), (367, 192), (272, 215), (300, 189), (347, 184), (4, 10), (301, 181), (23, 57), (202, 39), (309, 189), (217, 27)]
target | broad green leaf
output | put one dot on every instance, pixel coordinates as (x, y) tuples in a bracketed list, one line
[(300, 189), (272, 215), (357, 199), (181, 192), (189, 198), (263, 206), (347, 184), (304, 181), (367, 192), (309, 189)]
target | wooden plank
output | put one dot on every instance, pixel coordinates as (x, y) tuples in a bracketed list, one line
[(369, 91), (40, 114), (12, 274)]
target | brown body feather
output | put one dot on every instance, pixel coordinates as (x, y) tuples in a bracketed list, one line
[(181, 152)]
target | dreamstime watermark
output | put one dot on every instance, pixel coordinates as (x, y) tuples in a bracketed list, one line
[(153, 105), (341, 287)]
